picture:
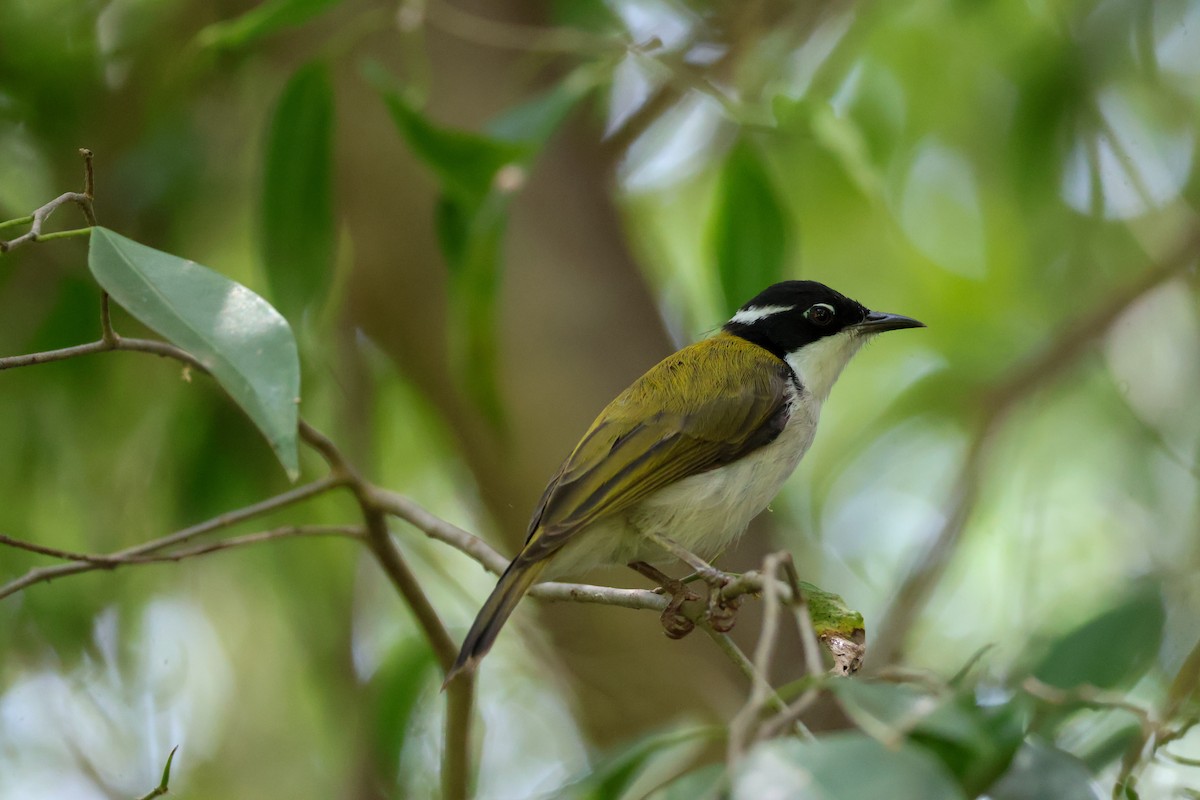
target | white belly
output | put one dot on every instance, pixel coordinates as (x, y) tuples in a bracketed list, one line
[(703, 513)]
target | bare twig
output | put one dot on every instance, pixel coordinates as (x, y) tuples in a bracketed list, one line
[(114, 560), (130, 554), (790, 716), (741, 728), (53, 552), (275, 534), (397, 505), (38, 218), (115, 343)]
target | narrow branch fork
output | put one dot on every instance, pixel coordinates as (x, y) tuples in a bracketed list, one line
[(38, 218)]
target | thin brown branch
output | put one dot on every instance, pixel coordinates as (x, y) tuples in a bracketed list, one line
[(114, 560), (399, 506), (115, 343), (47, 356), (44, 574), (89, 184), (53, 552), (275, 534)]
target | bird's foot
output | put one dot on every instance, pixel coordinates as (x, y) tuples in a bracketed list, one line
[(722, 612), (675, 623)]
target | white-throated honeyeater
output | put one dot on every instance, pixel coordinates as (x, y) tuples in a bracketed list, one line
[(682, 460)]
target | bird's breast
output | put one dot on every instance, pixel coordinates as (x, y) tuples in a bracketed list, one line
[(705, 513)]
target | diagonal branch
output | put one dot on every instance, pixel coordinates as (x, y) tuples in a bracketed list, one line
[(131, 554), (917, 586), (114, 560)]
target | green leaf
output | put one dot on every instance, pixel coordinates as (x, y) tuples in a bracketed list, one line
[(471, 242), (841, 766), (705, 783), (1109, 650), (244, 342), (297, 194), (166, 773), (1183, 688), (162, 787), (749, 228), (262, 20), (974, 744), (829, 613), (886, 711), (615, 774), (1043, 772), (472, 214), (397, 686), (465, 163), (533, 122)]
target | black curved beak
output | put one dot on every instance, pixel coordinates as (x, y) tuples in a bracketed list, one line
[(878, 322)]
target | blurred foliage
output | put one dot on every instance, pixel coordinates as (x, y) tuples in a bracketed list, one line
[(1020, 176)]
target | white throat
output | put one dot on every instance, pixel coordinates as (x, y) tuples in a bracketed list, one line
[(819, 363)]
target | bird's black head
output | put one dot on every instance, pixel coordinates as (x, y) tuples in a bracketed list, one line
[(790, 315)]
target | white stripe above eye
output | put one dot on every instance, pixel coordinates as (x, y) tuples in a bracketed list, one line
[(753, 314)]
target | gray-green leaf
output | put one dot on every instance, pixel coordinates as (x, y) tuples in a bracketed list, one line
[(1109, 650), (842, 766), (245, 343), (1043, 772)]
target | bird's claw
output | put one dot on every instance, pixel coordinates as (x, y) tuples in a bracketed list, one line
[(722, 613), (675, 623)]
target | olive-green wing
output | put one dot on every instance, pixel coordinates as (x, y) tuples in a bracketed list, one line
[(699, 409)]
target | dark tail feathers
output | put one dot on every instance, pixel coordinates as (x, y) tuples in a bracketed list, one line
[(511, 587)]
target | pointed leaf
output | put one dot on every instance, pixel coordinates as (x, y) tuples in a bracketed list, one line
[(705, 783), (1043, 772), (1109, 650), (297, 195), (166, 773), (244, 342), (616, 773), (749, 228), (841, 766), (465, 163), (534, 121), (262, 20)]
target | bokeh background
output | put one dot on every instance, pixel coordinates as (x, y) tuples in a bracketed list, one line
[(483, 220)]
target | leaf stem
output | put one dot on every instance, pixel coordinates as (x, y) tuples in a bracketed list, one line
[(45, 237), (12, 223)]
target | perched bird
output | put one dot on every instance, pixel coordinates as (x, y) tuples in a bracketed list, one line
[(681, 461)]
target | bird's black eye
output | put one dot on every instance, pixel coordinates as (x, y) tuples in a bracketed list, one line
[(820, 314)]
